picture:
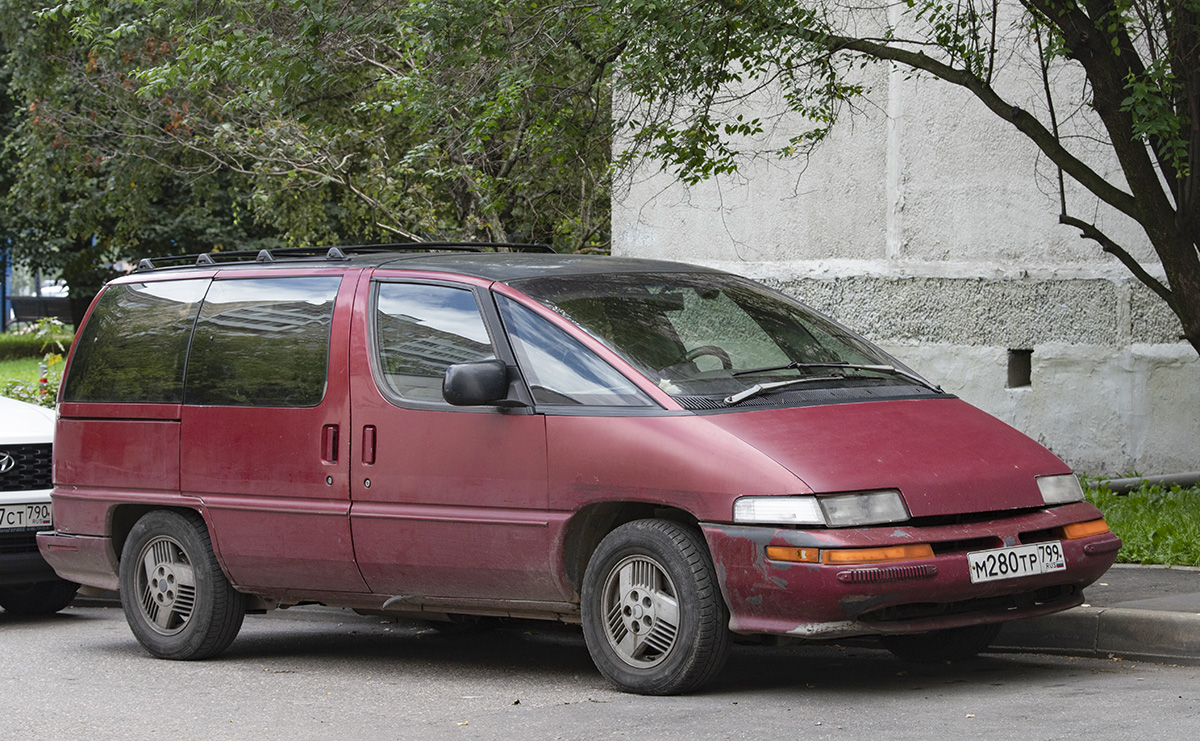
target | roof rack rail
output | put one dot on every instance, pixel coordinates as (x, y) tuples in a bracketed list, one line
[(340, 252)]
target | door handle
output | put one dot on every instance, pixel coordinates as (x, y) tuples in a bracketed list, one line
[(329, 443), (368, 445)]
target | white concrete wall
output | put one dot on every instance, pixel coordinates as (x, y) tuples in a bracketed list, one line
[(931, 227)]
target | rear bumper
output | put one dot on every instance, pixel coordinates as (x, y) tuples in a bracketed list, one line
[(815, 600), (83, 559)]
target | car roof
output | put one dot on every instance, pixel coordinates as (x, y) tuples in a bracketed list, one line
[(505, 267), (497, 266)]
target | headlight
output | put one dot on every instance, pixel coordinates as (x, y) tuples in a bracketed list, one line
[(842, 510), (778, 511), (1062, 489), (864, 508)]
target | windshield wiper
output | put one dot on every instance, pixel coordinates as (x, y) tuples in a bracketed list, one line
[(759, 388)]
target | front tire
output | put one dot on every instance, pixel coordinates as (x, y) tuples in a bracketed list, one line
[(43, 598), (175, 596), (653, 615)]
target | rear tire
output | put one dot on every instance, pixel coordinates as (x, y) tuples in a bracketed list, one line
[(952, 644), (653, 615), (42, 598), (176, 598)]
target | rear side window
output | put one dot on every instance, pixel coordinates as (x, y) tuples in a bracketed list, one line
[(134, 346), (262, 342)]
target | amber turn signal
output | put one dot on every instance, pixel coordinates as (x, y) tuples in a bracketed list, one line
[(1084, 529), (877, 555), (788, 553)]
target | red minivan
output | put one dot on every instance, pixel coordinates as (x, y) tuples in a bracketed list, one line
[(668, 454)]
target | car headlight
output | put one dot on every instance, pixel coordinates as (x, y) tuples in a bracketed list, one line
[(864, 508), (778, 511), (1062, 489), (842, 510)]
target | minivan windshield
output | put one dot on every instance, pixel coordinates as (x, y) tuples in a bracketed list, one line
[(715, 334)]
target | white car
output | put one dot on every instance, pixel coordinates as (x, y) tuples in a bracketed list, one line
[(28, 586)]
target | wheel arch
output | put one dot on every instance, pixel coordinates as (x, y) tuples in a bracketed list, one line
[(125, 516), (592, 523)]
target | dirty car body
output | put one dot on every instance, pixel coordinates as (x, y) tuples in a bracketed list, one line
[(666, 453)]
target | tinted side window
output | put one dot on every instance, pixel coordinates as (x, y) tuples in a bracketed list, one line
[(262, 342), (134, 346), (420, 330), (560, 370)]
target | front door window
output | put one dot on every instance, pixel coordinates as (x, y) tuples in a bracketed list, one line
[(422, 329)]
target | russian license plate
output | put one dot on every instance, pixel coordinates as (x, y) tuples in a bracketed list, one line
[(25, 516), (1016, 561)]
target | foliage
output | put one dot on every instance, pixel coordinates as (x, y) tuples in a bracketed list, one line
[(68, 207), (46, 335), (1105, 91), (493, 119), (41, 390), (1156, 524), (417, 120)]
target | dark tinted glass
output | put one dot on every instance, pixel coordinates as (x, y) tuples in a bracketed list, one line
[(262, 342), (420, 330), (134, 346), (706, 333)]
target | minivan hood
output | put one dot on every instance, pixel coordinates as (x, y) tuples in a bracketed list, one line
[(944, 455)]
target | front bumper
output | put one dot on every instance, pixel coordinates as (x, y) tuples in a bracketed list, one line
[(815, 600)]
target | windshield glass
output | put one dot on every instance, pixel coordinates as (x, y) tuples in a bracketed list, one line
[(711, 334)]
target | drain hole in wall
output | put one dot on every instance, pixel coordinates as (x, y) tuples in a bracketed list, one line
[(1020, 369)]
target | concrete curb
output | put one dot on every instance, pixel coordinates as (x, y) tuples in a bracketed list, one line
[(1108, 632)]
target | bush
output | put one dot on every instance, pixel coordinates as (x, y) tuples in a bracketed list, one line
[(46, 336), (43, 391)]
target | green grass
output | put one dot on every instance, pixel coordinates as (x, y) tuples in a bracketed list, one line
[(18, 367), (21, 354), (25, 369), (1157, 524), (19, 379)]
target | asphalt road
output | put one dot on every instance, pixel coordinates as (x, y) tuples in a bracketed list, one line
[(323, 674)]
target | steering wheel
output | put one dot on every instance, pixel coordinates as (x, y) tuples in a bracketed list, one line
[(713, 350)]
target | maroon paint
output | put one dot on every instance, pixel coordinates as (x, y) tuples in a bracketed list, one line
[(945, 455), (278, 508), (456, 505)]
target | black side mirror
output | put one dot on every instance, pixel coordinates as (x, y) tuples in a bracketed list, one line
[(476, 384)]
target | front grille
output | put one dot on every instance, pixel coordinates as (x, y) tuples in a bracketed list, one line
[(24, 542), (985, 543), (971, 518), (32, 469)]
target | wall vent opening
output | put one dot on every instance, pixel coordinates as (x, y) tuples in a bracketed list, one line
[(1020, 369)]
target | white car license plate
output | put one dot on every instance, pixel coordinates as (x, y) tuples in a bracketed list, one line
[(25, 516), (1016, 561)]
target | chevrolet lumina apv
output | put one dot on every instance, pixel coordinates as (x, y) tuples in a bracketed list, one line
[(672, 456)]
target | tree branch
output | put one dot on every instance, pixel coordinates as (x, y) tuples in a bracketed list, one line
[(1023, 121), (1089, 231)]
